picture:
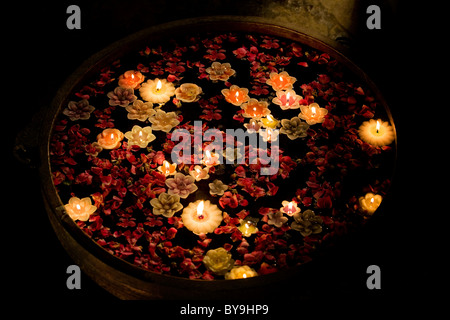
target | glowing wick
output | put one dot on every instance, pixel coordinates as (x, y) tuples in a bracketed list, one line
[(245, 275), (158, 86), (378, 128), (78, 206), (200, 210), (313, 111)]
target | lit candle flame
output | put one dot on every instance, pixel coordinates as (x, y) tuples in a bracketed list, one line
[(281, 78), (112, 136), (244, 275), (372, 200), (290, 209), (237, 95), (288, 96), (158, 86), (78, 206), (313, 111), (270, 118), (378, 128), (200, 209), (166, 167), (132, 76)]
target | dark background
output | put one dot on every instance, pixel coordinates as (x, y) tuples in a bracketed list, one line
[(401, 239)]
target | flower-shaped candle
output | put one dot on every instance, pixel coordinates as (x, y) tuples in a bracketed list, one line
[(290, 208), (287, 99), (140, 136), (168, 169), (217, 187), (376, 132), (131, 79), (164, 121), (255, 109), (280, 81), (218, 261), (269, 135), (370, 203), (242, 272), (166, 205), (201, 217), (121, 97), (220, 71), (188, 92), (199, 173), (80, 209), (140, 110), (253, 126), (110, 138), (294, 128), (307, 223), (236, 95), (181, 185), (313, 113), (157, 90), (269, 122), (78, 110), (210, 159), (247, 228)]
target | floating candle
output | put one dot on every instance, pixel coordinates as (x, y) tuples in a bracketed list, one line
[(236, 95), (269, 135), (376, 132), (280, 81), (188, 92), (168, 169), (201, 217), (140, 136), (80, 209), (253, 126), (210, 159), (313, 113), (157, 90), (131, 79), (241, 272), (255, 109), (290, 208), (270, 122), (287, 99), (199, 173), (164, 121), (370, 203), (110, 138), (247, 228)]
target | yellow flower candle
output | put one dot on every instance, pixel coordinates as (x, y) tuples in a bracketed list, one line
[(80, 209), (376, 132), (370, 203), (242, 272), (201, 217), (270, 122), (247, 228)]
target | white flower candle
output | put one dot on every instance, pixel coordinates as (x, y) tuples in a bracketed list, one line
[(201, 217), (313, 113), (140, 136), (157, 90), (376, 132), (199, 173)]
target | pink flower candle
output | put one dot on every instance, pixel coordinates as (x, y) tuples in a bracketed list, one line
[(289, 207), (236, 95), (110, 138), (287, 99)]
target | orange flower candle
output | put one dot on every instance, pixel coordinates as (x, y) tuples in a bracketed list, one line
[(131, 79), (110, 138), (312, 114), (236, 95), (281, 81), (168, 169), (370, 203), (287, 99), (210, 160), (255, 109), (80, 209)]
